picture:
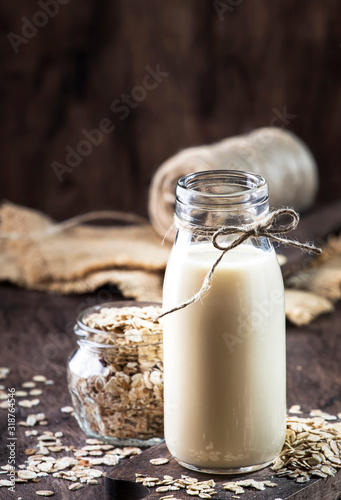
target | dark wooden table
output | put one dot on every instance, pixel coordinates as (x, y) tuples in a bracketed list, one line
[(37, 338)]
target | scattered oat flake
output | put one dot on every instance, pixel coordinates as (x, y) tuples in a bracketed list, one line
[(66, 409), (39, 378), (31, 433), (96, 453), (270, 484), (45, 493), (31, 420), (28, 385), (21, 394), (322, 414), (295, 409), (93, 441), (5, 482), (4, 372), (27, 474), (36, 392), (30, 451), (28, 403), (76, 486), (6, 467), (159, 461)]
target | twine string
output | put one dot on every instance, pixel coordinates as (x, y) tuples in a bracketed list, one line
[(265, 228)]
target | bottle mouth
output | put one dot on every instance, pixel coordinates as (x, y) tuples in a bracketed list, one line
[(231, 186), (223, 191)]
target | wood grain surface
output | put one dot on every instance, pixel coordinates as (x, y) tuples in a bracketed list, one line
[(37, 338), (230, 69), (285, 489)]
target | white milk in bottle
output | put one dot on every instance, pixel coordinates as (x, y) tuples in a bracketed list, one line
[(224, 355)]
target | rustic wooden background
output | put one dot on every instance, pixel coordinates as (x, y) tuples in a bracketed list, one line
[(233, 65)]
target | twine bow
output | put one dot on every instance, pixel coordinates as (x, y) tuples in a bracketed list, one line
[(265, 228)]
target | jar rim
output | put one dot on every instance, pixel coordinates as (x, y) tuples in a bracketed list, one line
[(81, 329), (248, 182), (215, 198)]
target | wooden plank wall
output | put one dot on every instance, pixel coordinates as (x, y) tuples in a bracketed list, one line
[(223, 67)]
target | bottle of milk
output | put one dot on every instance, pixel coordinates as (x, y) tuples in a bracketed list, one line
[(224, 355)]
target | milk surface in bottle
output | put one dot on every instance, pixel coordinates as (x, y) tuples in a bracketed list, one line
[(224, 355)]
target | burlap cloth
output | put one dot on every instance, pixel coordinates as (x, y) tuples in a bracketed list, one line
[(314, 291), (83, 258)]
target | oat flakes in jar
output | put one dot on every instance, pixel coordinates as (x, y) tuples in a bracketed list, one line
[(224, 354), (116, 376)]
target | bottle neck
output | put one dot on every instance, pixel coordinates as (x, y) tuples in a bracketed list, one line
[(213, 199)]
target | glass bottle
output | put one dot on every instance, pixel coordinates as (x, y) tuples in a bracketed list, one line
[(224, 355), (116, 383)]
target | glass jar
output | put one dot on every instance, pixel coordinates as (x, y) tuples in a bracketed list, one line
[(116, 377), (224, 355)]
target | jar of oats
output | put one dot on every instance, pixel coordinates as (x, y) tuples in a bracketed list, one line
[(116, 376)]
